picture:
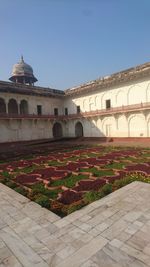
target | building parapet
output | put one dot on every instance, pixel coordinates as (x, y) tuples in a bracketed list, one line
[(128, 75), (29, 89)]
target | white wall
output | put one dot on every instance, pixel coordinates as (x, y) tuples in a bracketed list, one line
[(133, 93), (29, 129), (121, 125), (131, 124), (48, 104)]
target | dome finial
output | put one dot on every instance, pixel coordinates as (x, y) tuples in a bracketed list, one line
[(22, 59)]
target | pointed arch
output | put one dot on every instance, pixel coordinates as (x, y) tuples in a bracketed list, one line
[(79, 129), (23, 107), (57, 130), (12, 106), (2, 106)]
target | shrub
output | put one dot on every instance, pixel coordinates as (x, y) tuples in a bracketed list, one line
[(55, 163), (21, 191), (43, 201), (40, 188), (106, 189), (4, 180), (69, 181), (75, 207), (2, 161), (6, 174), (28, 169), (122, 182), (92, 196), (115, 165), (10, 184), (129, 179)]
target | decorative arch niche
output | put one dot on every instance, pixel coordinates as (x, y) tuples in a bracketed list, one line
[(136, 95), (109, 127), (121, 98), (85, 105), (137, 126)]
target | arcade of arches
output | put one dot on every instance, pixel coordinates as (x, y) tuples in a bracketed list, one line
[(13, 107)]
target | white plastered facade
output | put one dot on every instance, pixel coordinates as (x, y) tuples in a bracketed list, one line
[(129, 124), (118, 124)]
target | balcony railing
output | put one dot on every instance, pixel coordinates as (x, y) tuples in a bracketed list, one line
[(122, 109), (101, 112), (26, 116)]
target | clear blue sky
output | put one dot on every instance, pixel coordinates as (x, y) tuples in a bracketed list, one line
[(69, 42)]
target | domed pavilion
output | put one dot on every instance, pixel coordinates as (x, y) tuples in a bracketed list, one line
[(23, 73)]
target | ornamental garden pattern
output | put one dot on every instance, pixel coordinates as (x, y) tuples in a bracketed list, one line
[(71, 178)]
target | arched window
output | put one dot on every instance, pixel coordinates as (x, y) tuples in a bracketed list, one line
[(57, 130), (78, 129), (23, 107), (2, 106), (12, 106)]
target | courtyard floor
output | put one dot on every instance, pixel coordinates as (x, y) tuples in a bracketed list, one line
[(111, 232)]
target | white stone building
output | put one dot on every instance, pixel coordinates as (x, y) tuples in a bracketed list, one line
[(116, 106)]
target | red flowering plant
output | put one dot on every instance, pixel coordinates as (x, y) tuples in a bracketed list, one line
[(90, 185), (27, 179), (69, 197), (51, 173), (139, 168)]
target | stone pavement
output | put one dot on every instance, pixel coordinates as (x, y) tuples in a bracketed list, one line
[(111, 232)]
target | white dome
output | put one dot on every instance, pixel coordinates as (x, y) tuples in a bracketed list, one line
[(23, 72), (21, 68)]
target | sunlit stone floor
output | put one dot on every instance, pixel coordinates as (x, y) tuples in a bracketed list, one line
[(111, 232)]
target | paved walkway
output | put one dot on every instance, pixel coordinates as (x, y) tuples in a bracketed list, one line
[(111, 232)]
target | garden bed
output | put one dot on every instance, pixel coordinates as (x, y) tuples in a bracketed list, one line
[(67, 180)]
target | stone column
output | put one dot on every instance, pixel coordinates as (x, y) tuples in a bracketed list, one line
[(6, 103)]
